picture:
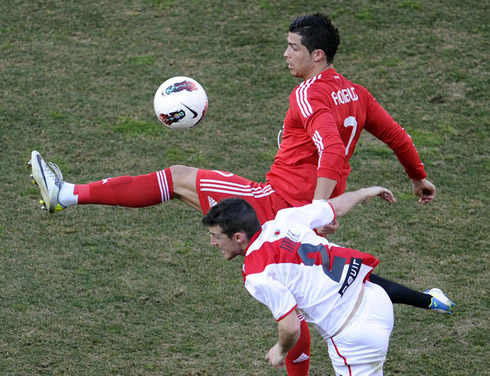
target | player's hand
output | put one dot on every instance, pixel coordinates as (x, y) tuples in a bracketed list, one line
[(424, 189), (328, 229), (275, 357), (384, 193)]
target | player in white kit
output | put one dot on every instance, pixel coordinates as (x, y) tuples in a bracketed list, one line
[(289, 268)]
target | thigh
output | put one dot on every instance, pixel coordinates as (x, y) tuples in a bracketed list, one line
[(361, 348), (212, 186)]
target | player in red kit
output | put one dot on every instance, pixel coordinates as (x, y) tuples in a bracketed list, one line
[(332, 112), (321, 129)]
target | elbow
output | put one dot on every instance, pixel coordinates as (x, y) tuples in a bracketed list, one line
[(295, 332), (289, 332)]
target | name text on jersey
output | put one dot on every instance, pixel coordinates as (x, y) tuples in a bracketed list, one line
[(344, 96)]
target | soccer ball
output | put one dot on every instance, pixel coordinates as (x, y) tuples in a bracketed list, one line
[(180, 103)]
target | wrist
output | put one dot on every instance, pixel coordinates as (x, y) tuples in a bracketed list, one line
[(283, 351), (366, 194)]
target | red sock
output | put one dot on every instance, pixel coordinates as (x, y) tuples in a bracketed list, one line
[(298, 358), (130, 191)]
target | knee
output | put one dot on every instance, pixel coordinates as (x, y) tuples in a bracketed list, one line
[(183, 176), (181, 171), (184, 184)]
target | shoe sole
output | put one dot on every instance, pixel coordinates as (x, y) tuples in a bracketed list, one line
[(40, 178)]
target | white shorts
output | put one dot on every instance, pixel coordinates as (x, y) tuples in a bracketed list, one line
[(361, 347)]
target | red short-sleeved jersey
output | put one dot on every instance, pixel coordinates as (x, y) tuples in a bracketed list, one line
[(322, 126)]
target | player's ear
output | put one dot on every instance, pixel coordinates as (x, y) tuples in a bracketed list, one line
[(240, 237), (318, 55)]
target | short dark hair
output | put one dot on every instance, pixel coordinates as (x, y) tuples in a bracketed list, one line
[(317, 33), (233, 215)]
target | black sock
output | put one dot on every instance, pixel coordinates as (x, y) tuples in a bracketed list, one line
[(400, 294)]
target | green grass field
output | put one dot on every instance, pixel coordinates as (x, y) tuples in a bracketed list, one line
[(99, 290)]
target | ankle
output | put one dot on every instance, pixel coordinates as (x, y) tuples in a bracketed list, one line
[(66, 196)]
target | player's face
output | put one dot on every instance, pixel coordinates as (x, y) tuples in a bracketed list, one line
[(299, 60), (229, 247)]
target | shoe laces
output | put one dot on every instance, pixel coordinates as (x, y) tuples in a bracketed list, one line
[(55, 170)]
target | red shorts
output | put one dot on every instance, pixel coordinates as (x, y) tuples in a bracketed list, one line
[(212, 186)]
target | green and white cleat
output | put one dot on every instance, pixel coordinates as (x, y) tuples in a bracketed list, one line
[(49, 179)]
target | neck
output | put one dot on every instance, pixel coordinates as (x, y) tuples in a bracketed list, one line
[(317, 70)]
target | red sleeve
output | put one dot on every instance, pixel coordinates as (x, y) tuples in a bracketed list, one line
[(381, 125), (322, 128)]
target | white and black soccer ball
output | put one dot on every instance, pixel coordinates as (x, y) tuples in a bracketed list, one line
[(180, 103)]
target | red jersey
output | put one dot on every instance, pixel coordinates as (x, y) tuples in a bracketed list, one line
[(322, 126)]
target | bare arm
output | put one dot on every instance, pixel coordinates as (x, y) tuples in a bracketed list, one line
[(289, 330), (345, 202), (324, 188)]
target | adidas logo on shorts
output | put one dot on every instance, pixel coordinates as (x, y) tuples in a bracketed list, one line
[(212, 202)]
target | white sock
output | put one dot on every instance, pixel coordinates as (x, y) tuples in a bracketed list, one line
[(66, 197)]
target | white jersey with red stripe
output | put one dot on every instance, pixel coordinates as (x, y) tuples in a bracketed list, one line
[(288, 266)]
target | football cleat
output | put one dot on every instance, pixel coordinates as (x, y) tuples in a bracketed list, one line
[(49, 179), (440, 302)]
